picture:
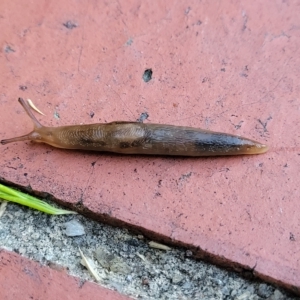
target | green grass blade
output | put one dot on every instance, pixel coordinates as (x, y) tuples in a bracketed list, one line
[(12, 195)]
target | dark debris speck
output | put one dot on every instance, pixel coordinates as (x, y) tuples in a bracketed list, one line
[(292, 237), (23, 87), (147, 76), (129, 42), (187, 10), (143, 117), (70, 25), (9, 49)]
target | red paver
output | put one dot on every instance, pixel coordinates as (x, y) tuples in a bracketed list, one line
[(228, 66), (21, 278)]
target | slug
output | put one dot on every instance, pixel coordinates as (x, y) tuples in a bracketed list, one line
[(139, 138)]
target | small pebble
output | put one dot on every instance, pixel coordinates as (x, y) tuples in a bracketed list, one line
[(104, 257), (187, 285), (244, 296), (74, 228), (264, 290), (225, 291), (277, 295), (217, 281), (177, 278), (119, 266)]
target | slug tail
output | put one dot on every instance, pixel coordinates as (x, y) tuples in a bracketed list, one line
[(260, 148), (26, 107), (252, 147)]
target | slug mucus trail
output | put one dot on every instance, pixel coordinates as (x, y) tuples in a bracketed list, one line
[(139, 138)]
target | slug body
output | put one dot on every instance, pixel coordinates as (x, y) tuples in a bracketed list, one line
[(139, 138)]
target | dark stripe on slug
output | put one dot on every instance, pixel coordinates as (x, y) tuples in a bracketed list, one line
[(121, 122), (206, 146), (218, 143), (136, 143), (91, 141)]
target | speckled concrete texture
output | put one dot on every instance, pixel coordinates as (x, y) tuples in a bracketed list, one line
[(229, 66), (21, 278)]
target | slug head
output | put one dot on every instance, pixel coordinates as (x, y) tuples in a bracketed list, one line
[(36, 135)]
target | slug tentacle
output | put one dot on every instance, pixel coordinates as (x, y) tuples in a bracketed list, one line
[(30, 136), (26, 107), (139, 138)]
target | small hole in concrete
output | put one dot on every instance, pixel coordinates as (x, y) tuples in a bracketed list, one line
[(70, 25), (8, 49), (143, 117), (23, 87), (129, 42), (147, 76), (56, 115)]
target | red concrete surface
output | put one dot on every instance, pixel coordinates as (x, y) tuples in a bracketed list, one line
[(229, 66), (21, 278)]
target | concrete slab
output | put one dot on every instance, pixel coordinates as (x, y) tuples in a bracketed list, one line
[(21, 278), (228, 66)]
